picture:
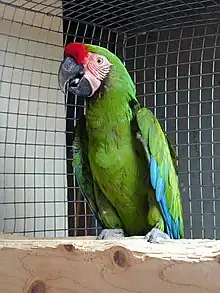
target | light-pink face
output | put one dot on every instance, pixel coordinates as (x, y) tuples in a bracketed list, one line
[(82, 72), (96, 69)]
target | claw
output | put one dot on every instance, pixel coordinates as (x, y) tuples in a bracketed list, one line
[(156, 236), (111, 233)]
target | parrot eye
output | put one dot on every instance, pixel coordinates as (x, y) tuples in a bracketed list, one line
[(99, 60)]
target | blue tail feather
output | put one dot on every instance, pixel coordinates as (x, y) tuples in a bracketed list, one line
[(158, 184)]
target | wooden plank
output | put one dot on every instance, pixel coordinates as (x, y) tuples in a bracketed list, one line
[(126, 265)]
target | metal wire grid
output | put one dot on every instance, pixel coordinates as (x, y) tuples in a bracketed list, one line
[(127, 16), (36, 196), (32, 148), (177, 73)]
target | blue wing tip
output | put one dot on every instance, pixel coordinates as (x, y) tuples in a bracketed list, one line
[(158, 183)]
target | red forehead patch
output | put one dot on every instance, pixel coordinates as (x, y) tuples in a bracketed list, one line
[(76, 50)]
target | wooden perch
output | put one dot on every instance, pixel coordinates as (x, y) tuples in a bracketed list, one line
[(85, 265)]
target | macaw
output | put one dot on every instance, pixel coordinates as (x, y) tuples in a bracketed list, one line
[(124, 163)]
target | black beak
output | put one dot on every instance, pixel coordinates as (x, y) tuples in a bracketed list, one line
[(71, 78)]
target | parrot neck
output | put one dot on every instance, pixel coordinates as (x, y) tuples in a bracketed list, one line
[(108, 124), (107, 111), (112, 106)]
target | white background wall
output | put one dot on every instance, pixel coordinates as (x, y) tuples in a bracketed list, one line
[(33, 188)]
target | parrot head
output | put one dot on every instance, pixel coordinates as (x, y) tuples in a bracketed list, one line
[(86, 70)]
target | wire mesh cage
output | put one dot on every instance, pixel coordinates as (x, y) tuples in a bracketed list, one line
[(172, 51)]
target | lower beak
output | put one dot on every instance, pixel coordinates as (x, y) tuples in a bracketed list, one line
[(71, 78)]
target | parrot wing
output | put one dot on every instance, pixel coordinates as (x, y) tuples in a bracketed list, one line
[(172, 151), (163, 170), (82, 168)]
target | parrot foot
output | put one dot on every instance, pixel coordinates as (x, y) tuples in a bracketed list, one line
[(111, 233), (156, 235)]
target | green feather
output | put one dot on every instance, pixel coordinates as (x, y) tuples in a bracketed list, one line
[(98, 203), (160, 147)]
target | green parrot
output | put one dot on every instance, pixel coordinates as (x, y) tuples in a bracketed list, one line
[(124, 163)]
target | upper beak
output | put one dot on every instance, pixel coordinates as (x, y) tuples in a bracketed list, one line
[(69, 72)]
